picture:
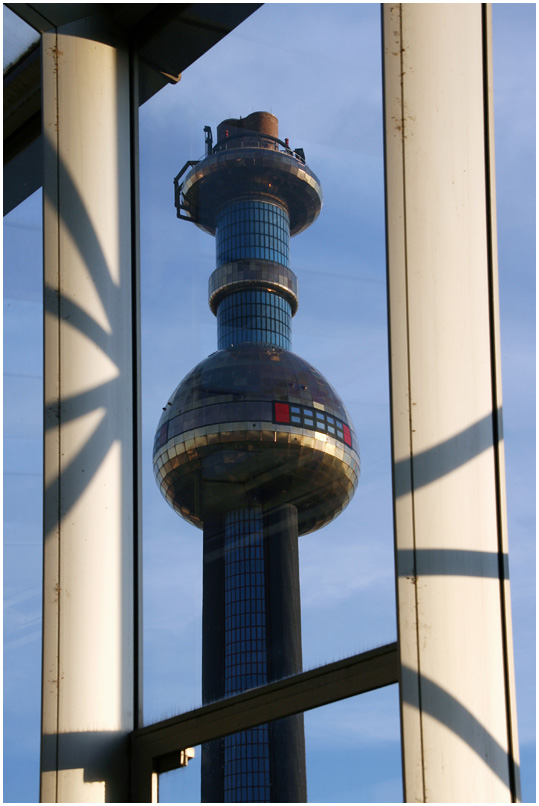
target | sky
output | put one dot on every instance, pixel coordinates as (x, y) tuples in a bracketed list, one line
[(317, 67)]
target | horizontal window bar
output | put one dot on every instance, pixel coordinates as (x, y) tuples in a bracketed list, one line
[(302, 692)]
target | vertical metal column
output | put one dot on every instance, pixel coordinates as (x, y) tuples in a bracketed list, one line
[(457, 692), (90, 456)]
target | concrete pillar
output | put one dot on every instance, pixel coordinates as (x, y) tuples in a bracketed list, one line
[(90, 685), (454, 625)]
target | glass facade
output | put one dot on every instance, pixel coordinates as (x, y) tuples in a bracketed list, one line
[(313, 419), (246, 753), (247, 766), (252, 229), (260, 316), (23, 497)]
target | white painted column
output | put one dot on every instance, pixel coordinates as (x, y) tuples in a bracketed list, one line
[(90, 463), (454, 623)]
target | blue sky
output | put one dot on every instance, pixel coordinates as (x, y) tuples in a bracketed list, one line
[(319, 70)]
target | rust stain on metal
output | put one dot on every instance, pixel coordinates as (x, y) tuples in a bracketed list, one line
[(56, 53)]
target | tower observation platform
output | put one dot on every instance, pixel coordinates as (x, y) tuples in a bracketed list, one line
[(254, 446)]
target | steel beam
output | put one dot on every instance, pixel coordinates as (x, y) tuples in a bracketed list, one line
[(302, 692)]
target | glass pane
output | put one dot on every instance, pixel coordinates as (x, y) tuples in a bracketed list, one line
[(514, 31), (340, 329), (352, 753), (23, 485), (346, 568), (353, 750)]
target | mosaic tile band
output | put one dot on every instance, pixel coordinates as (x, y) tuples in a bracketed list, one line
[(246, 274), (218, 439), (256, 172)]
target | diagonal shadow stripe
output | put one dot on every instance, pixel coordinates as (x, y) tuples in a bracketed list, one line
[(75, 217), (70, 485), (447, 710), (427, 466), (78, 405), (66, 310)]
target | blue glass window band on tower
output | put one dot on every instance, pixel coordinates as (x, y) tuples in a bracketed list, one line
[(245, 612), (254, 316), (252, 229), (246, 773)]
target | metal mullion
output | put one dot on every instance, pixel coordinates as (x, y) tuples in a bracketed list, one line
[(302, 692)]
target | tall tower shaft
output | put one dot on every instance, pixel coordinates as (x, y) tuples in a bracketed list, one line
[(254, 446)]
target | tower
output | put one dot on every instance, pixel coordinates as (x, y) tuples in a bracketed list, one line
[(254, 446)]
